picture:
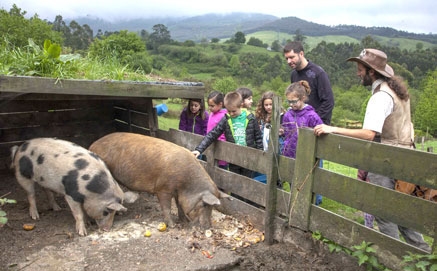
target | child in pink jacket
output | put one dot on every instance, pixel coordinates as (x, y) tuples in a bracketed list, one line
[(217, 112)]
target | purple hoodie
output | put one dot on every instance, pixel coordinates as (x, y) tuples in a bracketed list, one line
[(306, 117), (195, 125)]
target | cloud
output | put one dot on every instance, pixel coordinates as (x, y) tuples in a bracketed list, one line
[(412, 16)]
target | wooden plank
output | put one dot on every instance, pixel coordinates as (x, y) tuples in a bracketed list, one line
[(251, 214), (140, 130), (34, 96), (75, 129), (283, 203), (242, 210), (162, 134), (301, 189), (246, 157), (243, 156), (26, 84), (139, 114), (56, 117), (5, 148), (240, 185), (121, 126), (402, 209), (132, 117), (141, 119), (152, 120), (5, 155), (415, 166), (286, 168), (349, 233), (184, 139), (46, 105), (272, 174)]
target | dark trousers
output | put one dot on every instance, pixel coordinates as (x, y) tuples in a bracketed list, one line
[(241, 170)]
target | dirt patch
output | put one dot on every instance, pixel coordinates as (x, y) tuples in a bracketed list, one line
[(229, 245)]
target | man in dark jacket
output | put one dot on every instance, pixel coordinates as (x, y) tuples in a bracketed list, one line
[(321, 97), (239, 126)]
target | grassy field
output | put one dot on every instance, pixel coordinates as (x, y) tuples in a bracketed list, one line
[(403, 43), (426, 145), (167, 123)]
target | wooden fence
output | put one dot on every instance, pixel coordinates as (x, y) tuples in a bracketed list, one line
[(83, 111), (298, 210)]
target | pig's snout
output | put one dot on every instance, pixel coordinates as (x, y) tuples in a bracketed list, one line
[(105, 224), (106, 229)]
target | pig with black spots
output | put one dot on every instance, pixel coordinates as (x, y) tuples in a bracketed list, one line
[(68, 169)]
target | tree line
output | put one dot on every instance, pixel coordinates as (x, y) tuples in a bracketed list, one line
[(235, 62)]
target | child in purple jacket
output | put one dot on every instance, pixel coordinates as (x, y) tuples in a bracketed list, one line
[(299, 115), (194, 118)]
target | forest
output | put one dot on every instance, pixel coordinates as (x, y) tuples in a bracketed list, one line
[(35, 47)]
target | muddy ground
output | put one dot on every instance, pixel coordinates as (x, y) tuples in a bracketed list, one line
[(231, 244)]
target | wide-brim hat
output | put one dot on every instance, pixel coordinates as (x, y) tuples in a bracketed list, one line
[(374, 59)]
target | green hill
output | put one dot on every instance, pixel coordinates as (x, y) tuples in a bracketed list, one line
[(292, 24), (223, 26), (312, 41)]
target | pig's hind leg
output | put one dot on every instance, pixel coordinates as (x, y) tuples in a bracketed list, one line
[(29, 186), (51, 199), (165, 203), (181, 214)]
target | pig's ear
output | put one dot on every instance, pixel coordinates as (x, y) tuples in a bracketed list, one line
[(210, 199), (116, 207), (130, 197)]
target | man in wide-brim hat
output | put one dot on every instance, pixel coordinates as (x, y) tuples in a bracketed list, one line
[(374, 59), (387, 120)]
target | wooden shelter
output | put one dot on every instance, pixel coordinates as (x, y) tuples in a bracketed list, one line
[(80, 111)]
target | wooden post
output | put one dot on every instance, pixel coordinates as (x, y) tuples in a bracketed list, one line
[(152, 117), (301, 188), (272, 176)]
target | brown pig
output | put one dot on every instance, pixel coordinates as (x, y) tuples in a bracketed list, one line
[(147, 164)]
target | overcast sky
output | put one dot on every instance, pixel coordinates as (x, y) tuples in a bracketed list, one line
[(418, 16)]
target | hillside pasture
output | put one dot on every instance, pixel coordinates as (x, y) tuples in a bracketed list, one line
[(312, 41)]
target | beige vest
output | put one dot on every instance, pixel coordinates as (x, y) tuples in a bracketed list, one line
[(398, 129)]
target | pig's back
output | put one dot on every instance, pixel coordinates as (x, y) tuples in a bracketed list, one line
[(143, 163), (53, 160)]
